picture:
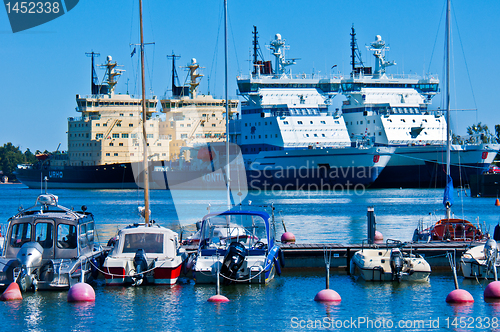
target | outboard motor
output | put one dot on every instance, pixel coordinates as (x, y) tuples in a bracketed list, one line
[(396, 264), (491, 254), (141, 265), (233, 261), (30, 259)]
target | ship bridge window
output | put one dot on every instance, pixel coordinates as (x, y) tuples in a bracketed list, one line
[(307, 135), (323, 122), (315, 135), (299, 122), (285, 122), (311, 122), (338, 122), (323, 135)]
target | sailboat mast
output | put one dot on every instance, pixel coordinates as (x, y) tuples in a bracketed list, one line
[(228, 173), (144, 118), (447, 102)]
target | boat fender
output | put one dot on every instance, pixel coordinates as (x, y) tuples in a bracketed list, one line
[(278, 267), (281, 256), (94, 271)]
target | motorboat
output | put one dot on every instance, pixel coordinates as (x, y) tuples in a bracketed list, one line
[(389, 264), (49, 246), (239, 246), (481, 261), (449, 229), (144, 254)]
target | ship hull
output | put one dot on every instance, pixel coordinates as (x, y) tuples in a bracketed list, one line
[(316, 169), (424, 166)]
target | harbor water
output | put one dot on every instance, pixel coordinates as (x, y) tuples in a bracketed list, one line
[(287, 302)]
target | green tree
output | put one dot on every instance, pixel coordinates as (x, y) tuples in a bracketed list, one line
[(480, 133), (10, 157)]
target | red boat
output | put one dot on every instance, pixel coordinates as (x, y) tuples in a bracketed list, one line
[(459, 230)]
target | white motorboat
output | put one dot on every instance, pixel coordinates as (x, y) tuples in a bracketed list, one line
[(144, 253), (49, 246), (149, 254), (389, 264), (481, 261), (238, 244)]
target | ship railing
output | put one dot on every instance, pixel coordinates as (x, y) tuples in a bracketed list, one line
[(84, 118), (314, 76)]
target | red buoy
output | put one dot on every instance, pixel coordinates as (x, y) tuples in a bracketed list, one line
[(81, 292), (12, 293), (327, 295), (459, 296), (288, 237), (492, 291), (218, 299)]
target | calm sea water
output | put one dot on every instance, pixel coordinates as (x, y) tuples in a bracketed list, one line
[(287, 302)]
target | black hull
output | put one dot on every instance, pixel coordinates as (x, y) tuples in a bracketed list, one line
[(485, 185), (430, 175)]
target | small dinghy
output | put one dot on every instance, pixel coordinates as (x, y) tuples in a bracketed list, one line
[(481, 261), (389, 264)]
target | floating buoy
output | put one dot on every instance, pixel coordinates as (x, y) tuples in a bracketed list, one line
[(218, 298), (497, 202), (288, 237), (378, 236), (492, 291), (459, 296), (81, 292), (12, 293), (327, 295)]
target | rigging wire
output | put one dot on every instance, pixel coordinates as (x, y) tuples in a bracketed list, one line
[(216, 51), (437, 34)]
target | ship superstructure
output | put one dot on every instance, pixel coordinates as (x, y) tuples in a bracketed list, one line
[(191, 118), (285, 125), (109, 128), (393, 110)]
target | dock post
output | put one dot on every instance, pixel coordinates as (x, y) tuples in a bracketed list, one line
[(371, 225), (348, 254)]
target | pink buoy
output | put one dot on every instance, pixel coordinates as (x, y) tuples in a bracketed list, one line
[(378, 236), (459, 296), (218, 298), (288, 237), (81, 292), (327, 295), (492, 291), (12, 293)]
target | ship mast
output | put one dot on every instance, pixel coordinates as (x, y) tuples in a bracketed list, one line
[(228, 177), (448, 193), (144, 118)]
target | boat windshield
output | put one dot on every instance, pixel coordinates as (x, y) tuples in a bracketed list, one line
[(151, 243), (21, 233), (220, 230)]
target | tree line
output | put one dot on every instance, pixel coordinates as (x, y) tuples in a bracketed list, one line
[(11, 156)]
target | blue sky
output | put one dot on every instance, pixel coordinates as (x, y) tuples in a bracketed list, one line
[(42, 69)]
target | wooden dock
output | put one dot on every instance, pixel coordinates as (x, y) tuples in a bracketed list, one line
[(311, 256)]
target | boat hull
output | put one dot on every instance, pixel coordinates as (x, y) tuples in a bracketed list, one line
[(474, 265), (376, 267)]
